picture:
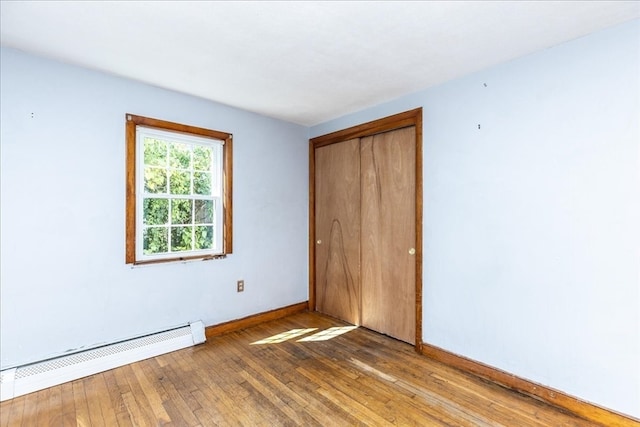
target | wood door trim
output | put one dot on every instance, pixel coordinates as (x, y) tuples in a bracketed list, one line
[(396, 121), (312, 227), (418, 125)]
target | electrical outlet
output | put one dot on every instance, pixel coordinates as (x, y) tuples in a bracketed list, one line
[(240, 285)]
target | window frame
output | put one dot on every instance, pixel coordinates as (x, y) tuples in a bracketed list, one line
[(132, 123)]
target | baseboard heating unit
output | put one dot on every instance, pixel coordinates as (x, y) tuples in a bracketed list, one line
[(26, 379)]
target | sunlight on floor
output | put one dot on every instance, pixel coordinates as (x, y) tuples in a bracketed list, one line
[(285, 336), (294, 333), (329, 333)]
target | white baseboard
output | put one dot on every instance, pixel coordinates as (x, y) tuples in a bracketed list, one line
[(26, 379)]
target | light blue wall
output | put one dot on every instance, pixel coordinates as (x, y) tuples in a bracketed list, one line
[(64, 283), (532, 222), (531, 230)]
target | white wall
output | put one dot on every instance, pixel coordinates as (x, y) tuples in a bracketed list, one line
[(64, 283), (532, 222)]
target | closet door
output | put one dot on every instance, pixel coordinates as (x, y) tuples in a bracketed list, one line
[(337, 230), (388, 234)]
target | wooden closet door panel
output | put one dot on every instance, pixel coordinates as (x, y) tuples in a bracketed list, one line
[(388, 233), (337, 229)]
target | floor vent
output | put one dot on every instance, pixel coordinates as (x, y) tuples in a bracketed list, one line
[(40, 375)]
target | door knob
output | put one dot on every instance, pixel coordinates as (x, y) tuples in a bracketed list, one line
[(319, 242), (412, 251)]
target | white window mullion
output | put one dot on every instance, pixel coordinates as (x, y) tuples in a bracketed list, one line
[(193, 221), (217, 223), (140, 193), (169, 221)]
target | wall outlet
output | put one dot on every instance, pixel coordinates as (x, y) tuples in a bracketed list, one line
[(240, 285)]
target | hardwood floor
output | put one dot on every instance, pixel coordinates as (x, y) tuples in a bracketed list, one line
[(318, 377)]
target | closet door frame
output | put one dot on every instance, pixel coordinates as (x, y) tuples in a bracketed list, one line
[(397, 121)]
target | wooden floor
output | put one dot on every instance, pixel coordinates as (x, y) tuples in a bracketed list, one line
[(336, 377)]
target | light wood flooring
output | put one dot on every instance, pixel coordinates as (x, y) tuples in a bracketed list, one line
[(357, 377)]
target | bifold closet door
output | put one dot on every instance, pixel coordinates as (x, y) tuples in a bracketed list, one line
[(388, 234), (337, 230)]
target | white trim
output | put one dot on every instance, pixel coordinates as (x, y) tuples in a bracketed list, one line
[(7, 382), (217, 183), (37, 376)]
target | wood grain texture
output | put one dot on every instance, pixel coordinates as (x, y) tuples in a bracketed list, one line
[(130, 214), (388, 265), (419, 210), (397, 121), (177, 127), (547, 394), (255, 319), (312, 227), (357, 378), (337, 230), (228, 195)]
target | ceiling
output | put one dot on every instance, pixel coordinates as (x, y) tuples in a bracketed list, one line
[(305, 62)]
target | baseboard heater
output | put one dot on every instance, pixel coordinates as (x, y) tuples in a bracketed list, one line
[(26, 379)]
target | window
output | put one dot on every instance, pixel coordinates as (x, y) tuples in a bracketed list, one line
[(178, 191)]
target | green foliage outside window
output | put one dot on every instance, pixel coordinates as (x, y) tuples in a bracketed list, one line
[(177, 224), (204, 237), (155, 240), (156, 211), (155, 152)]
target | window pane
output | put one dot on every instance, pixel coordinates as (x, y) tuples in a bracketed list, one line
[(176, 174), (181, 239), (180, 156), (156, 211), (181, 211), (155, 152), (202, 183), (154, 240), (155, 180), (202, 158), (204, 237), (204, 211), (180, 182)]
